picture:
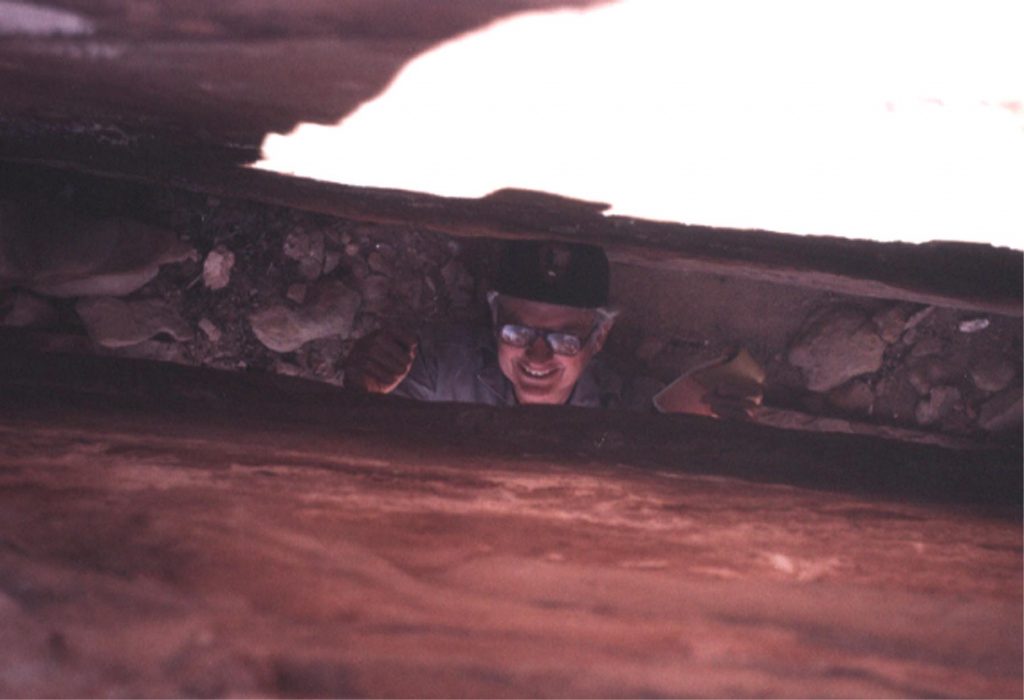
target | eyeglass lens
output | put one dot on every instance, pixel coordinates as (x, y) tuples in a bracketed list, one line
[(522, 336)]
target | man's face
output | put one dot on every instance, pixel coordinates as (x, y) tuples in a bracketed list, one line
[(537, 373)]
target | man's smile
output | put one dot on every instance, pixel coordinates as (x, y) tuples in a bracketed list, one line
[(535, 373)]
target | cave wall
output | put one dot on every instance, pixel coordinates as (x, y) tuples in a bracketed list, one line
[(94, 265)]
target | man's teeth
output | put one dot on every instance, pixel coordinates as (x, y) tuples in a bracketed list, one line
[(538, 375)]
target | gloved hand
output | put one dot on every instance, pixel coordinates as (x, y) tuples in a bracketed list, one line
[(380, 361)]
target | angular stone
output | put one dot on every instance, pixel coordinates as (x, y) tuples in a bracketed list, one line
[(329, 311), (992, 372), (836, 347), (297, 293), (63, 254), (891, 321), (332, 259), (24, 310), (940, 403), (1003, 411), (307, 249), (114, 323), (210, 329), (217, 268)]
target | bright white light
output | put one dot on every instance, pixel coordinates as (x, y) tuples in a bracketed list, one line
[(888, 120)]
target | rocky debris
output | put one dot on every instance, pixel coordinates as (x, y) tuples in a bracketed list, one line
[(930, 371), (332, 258), (331, 311), (940, 401), (114, 323), (837, 346), (992, 372), (20, 309), (892, 321), (296, 293), (1002, 412), (375, 290), (457, 281), (307, 249), (927, 346), (61, 253), (210, 330), (217, 268), (896, 398), (910, 332)]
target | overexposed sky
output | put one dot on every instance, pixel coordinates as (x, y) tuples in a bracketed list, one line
[(893, 120)]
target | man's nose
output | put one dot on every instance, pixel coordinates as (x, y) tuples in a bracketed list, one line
[(538, 349)]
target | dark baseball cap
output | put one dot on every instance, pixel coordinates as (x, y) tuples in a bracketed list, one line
[(569, 274)]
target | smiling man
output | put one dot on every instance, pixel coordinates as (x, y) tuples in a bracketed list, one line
[(549, 320)]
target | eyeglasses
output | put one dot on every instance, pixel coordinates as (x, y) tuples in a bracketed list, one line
[(568, 344)]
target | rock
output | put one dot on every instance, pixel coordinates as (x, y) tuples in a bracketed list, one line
[(931, 371), (891, 321), (153, 350), (24, 310), (855, 396), (287, 368), (330, 311), (458, 282), (1003, 411), (332, 259), (366, 323), (910, 333), (210, 330), (896, 398), (940, 402), (352, 249), (307, 249), (297, 293), (992, 372), (380, 264), (376, 290), (63, 254), (217, 268), (836, 347), (918, 378), (927, 346), (973, 325), (114, 323)]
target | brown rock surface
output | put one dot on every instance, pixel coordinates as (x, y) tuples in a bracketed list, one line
[(331, 311), (835, 347), (239, 537)]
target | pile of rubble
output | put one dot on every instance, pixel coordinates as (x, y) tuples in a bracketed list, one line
[(181, 277), (229, 285), (909, 364)]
